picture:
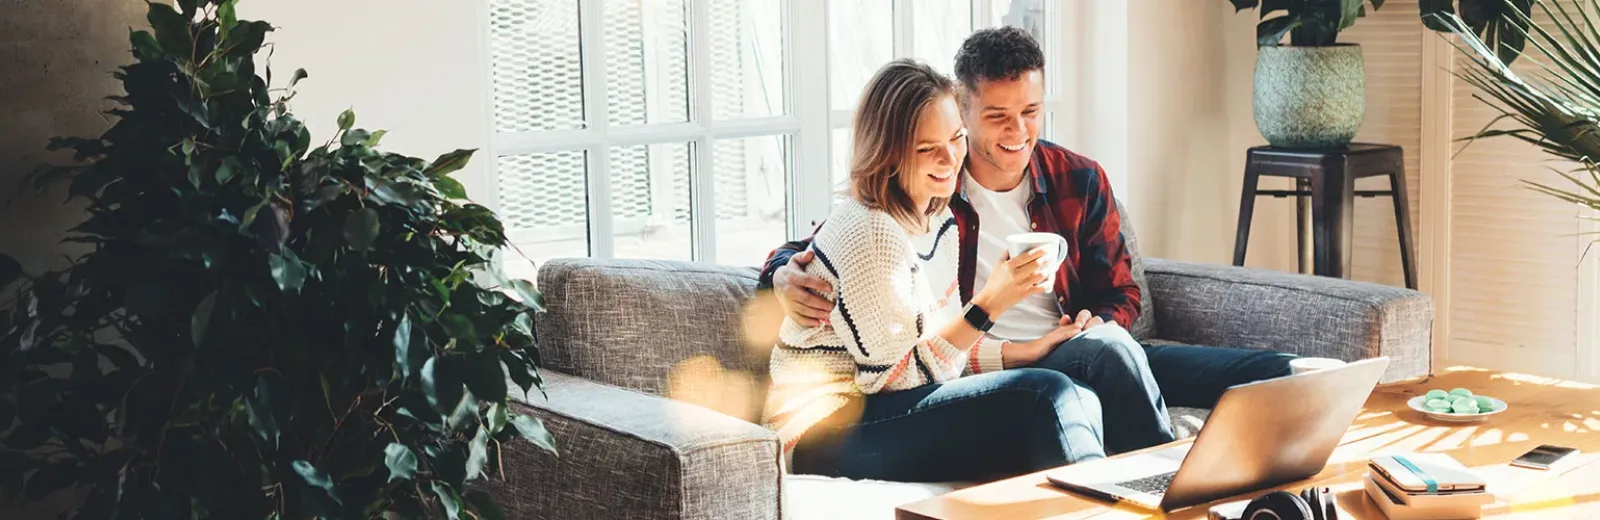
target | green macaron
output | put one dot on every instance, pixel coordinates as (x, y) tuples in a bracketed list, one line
[(1437, 405), (1464, 405), (1484, 404), (1438, 394), (1460, 392)]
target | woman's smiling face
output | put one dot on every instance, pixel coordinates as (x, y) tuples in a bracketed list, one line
[(938, 148)]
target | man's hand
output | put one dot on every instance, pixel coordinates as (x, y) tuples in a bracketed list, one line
[(1015, 355), (1084, 321), (800, 294)]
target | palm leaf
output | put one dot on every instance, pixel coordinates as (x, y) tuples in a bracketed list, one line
[(1578, 71), (1554, 101), (1592, 190)]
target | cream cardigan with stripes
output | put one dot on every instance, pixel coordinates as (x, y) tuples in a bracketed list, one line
[(893, 292)]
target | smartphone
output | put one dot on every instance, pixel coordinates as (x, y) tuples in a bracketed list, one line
[(1543, 456)]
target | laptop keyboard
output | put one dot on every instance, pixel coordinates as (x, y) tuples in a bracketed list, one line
[(1155, 485)]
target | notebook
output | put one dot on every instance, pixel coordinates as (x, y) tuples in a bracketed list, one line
[(1425, 474)]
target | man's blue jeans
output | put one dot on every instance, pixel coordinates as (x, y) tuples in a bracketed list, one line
[(976, 428), (1135, 383)]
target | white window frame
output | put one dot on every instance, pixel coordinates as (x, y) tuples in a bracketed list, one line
[(808, 122), (702, 130)]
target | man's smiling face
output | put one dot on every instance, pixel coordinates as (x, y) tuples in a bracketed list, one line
[(1004, 117)]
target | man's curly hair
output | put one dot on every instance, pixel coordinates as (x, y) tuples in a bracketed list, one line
[(1000, 53)]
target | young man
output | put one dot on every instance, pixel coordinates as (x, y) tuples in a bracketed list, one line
[(1015, 183)]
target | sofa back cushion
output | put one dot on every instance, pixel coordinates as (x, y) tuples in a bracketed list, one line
[(676, 329), (1145, 325)]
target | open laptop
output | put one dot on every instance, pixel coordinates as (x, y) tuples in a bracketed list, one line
[(1259, 435)]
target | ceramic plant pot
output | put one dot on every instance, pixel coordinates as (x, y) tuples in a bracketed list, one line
[(1309, 97)]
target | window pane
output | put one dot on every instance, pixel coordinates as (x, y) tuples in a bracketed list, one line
[(752, 189), (841, 158), (544, 203), (647, 61), (538, 77), (1032, 16), (938, 28), (1029, 15), (842, 144), (650, 200), (747, 58), (860, 41)]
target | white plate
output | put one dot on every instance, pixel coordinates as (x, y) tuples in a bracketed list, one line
[(1416, 404)]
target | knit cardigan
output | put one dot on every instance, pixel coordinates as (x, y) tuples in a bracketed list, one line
[(894, 291)]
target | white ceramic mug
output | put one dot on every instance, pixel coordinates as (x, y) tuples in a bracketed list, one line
[(1054, 245), (1299, 366)]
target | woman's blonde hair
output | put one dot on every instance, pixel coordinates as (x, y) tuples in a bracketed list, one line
[(886, 122)]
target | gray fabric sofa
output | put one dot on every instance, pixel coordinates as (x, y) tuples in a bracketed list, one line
[(655, 371)]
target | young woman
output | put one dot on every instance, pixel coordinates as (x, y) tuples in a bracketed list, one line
[(884, 388)]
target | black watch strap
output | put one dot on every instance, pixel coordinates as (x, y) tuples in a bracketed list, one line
[(978, 318)]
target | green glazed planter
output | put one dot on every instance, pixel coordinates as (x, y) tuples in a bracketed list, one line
[(1309, 97)]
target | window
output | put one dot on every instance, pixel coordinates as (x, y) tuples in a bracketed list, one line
[(680, 129)]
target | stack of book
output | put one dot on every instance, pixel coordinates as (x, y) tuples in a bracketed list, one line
[(1425, 486)]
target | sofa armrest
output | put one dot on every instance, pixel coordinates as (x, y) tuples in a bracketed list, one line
[(1305, 315), (625, 454)]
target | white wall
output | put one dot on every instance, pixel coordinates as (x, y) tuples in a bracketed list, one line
[(56, 60), (412, 67), (1169, 118), (1103, 36)]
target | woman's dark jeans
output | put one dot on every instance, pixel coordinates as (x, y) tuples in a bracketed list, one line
[(976, 428)]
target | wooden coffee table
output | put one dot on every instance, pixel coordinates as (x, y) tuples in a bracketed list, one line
[(1542, 411)]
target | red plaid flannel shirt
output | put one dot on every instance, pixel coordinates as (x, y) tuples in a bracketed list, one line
[(1072, 198)]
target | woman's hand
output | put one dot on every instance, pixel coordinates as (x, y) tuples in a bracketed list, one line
[(1014, 355), (1011, 281)]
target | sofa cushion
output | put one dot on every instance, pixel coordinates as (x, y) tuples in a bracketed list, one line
[(668, 328), (1145, 325), (1186, 422)]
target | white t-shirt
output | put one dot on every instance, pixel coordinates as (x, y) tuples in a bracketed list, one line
[(1002, 214)]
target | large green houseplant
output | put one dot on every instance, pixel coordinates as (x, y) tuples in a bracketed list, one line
[(261, 327), (1554, 105), (1310, 93)]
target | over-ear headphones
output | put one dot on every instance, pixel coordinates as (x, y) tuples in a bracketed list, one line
[(1311, 504)]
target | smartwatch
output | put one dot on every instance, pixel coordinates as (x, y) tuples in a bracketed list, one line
[(978, 318)]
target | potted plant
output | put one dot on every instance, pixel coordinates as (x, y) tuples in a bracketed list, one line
[(261, 327), (1310, 93), (1553, 106)]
